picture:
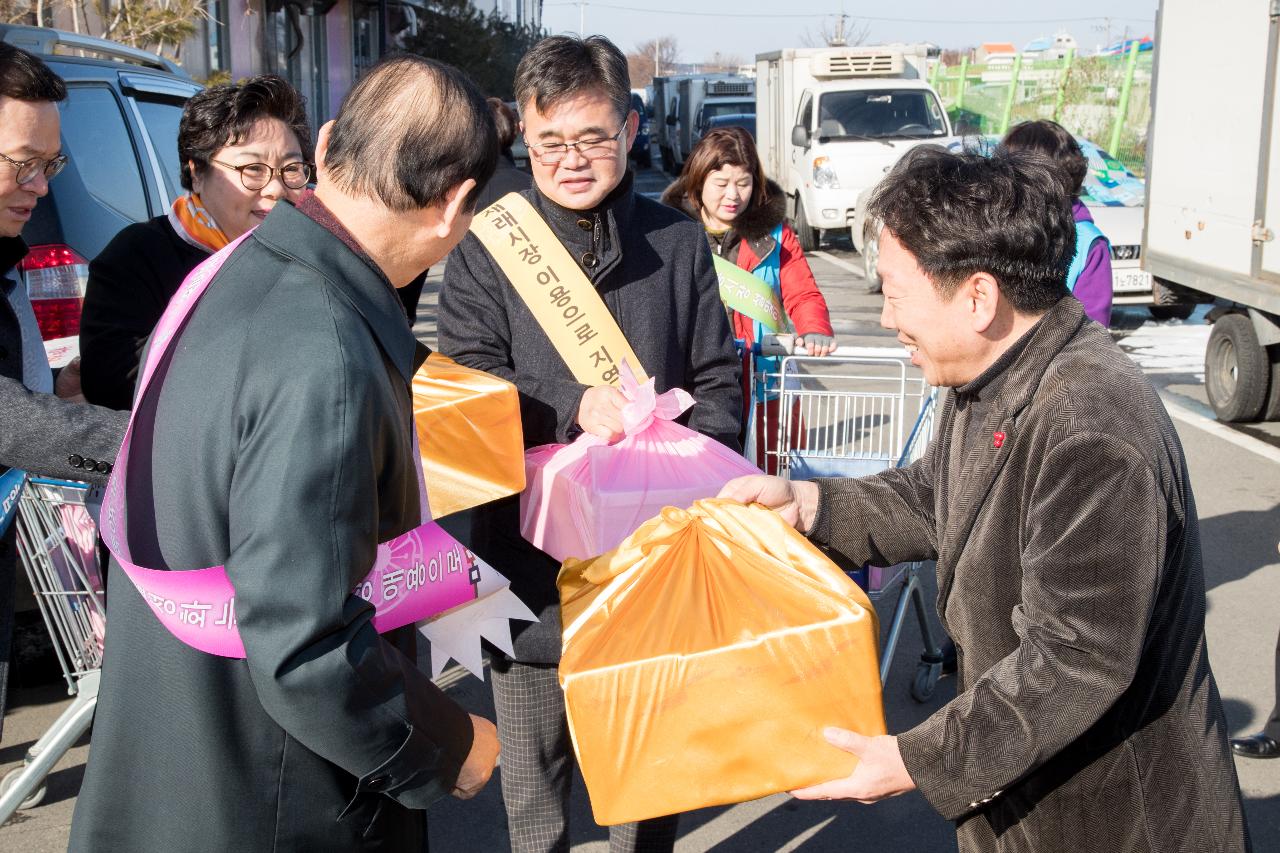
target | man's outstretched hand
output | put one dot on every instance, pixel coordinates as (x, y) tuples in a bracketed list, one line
[(796, 501), (880, 773)]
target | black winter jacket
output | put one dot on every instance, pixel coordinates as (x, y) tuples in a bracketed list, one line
[(130, 284), (653, 269)]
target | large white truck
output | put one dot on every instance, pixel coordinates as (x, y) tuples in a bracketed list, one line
[(702, 98), (683, 104), (665, 106), (1213, 189), (831, 121)]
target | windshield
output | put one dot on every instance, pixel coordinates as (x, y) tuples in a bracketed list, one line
[(728, 108), (744, 121), (880, 114)]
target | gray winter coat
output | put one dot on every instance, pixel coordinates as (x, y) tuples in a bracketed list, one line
[(283, 450)]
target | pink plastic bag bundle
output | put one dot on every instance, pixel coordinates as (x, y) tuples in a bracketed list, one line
[(584, 498)]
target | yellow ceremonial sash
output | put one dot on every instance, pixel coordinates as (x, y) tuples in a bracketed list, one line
[(561, 298)]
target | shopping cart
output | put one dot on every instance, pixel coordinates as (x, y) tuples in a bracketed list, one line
[(850, 414), (57, 547)]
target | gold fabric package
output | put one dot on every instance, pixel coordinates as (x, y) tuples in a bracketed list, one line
[(469, 434), (703, 658)]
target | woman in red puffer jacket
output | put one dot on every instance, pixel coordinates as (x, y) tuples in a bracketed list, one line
[(744, 214)]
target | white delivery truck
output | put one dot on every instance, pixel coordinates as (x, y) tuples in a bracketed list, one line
[(702, 98), (1213, 189), (831, 121), (665, 106)]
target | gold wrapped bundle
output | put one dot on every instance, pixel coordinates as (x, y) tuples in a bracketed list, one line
[(703, 658), (469, 435)]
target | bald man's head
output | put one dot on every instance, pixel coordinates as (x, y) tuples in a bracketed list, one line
[(410, 131)]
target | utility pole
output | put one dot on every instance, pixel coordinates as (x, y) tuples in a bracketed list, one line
[(839, 40), (582, 18)]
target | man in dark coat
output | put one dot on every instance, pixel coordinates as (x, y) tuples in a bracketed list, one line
[(653, 271), (39, 432), (1056, 501), (279, 443)]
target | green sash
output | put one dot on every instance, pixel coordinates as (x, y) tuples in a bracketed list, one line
[(748, 295)]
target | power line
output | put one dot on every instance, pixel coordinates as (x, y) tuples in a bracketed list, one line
[(877, 19)]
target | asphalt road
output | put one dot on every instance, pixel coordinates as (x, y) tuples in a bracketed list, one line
[(1236, 476)]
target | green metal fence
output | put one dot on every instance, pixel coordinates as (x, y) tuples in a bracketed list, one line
[(1103, 98)]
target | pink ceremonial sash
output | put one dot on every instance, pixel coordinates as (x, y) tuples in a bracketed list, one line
[(415, 576)]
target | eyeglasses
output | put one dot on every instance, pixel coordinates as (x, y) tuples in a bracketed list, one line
[(255, 176), (596, 148), (28, 169)]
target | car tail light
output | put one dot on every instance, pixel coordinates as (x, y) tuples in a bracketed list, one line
[(55, 277)]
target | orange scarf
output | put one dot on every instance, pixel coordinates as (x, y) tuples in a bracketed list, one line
[(195, 224)]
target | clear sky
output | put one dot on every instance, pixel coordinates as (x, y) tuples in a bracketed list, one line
[(748, 27)]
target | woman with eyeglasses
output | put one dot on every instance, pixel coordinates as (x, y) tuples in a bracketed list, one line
[(243, 147)]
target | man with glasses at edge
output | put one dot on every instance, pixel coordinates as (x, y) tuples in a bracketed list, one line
[(244, 147), (651, 267), (39, 432)]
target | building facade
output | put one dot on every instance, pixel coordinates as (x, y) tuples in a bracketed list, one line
[(320, 46)]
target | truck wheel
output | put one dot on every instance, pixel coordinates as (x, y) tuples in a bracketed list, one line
[(807, 235), (1271, 411), (1237, 370), (870, 256)]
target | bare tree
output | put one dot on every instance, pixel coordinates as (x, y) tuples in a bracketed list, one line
[(17, 12), (158, 25), (652, 58), (149, 24), (723, 62), (837, 31)]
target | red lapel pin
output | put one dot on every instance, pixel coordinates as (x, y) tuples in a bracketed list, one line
[(997, 440)]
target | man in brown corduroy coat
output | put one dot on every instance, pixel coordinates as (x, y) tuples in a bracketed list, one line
[(1057, 503)]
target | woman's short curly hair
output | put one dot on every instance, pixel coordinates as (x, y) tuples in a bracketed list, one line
[(223, 115)]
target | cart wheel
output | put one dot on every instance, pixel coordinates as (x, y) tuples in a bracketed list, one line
[(11, 779), (925, 681)]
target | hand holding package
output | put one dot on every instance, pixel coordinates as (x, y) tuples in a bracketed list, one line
[(586, 497), (703, 658)]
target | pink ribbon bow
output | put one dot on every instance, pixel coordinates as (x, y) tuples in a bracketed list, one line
[(646, 403)]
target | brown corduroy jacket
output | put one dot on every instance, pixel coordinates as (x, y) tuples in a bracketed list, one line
[(1070, 577)]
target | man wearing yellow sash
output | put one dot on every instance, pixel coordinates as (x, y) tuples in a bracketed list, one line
[(552, 290)]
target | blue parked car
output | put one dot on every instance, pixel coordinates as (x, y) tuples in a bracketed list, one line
[(120, 129), (640, 151)]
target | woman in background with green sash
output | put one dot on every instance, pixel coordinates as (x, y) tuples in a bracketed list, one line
[(744, 214)]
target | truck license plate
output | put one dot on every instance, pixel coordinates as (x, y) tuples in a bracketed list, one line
[(1130, 281)]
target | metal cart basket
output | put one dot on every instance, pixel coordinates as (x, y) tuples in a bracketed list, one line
[(851, 414), (56, 544)]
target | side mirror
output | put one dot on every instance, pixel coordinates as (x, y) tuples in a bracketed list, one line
[(800, 136), (671, 121)]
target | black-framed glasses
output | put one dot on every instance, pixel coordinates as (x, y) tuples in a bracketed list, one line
[(255, 176), (595, 148), (28, 169)]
